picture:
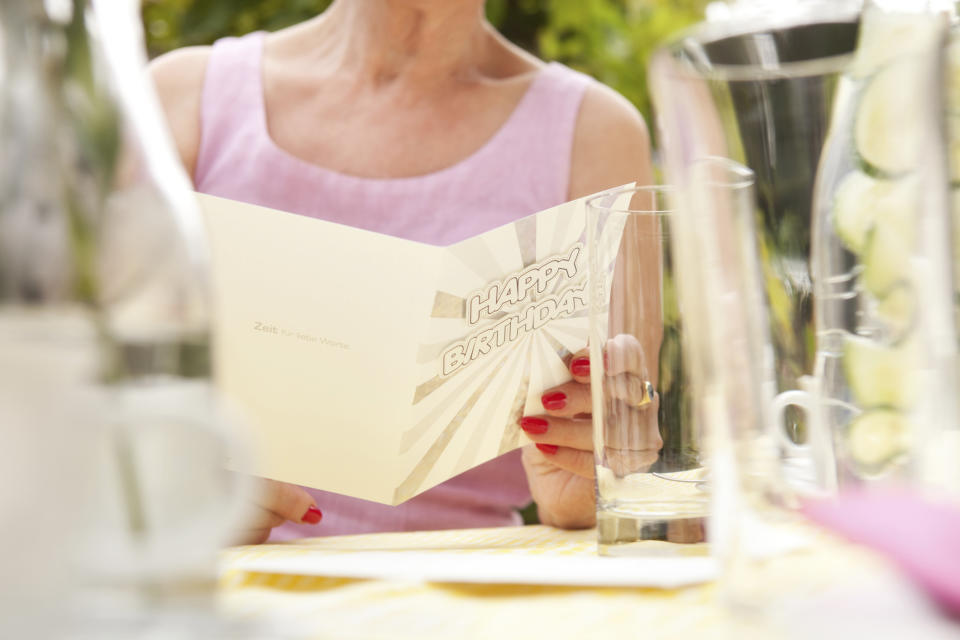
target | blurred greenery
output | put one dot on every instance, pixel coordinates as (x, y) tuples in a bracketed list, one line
[(610, 40)]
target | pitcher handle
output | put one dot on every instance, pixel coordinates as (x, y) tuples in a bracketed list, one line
[(796, 398)]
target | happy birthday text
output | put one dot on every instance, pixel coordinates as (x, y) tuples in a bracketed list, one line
[(513, 290)]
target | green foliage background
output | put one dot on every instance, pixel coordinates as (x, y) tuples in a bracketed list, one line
[(610, 40)]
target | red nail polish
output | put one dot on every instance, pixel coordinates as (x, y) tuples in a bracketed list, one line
[(554, 401), (580, 367), (534, 425), (312, 516), (548, 449)]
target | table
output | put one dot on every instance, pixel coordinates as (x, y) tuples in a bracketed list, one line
[(854, 591)]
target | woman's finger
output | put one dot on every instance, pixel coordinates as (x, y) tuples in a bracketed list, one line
[(579, 366), (563, 432), (287, 501), (257, 517), (630, 389), (631, 437), (629, 427), (252, 536), (624, 354), (623, 462), (567, 400), (575, 461)]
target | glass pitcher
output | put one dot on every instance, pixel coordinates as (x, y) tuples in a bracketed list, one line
[(758, 88)]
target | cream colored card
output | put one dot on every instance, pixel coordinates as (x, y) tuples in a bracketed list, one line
[(379, 367)]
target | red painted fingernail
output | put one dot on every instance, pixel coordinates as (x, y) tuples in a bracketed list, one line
[(534, 425), (312, 516), (580, 367), (554, 401), (548, 449)]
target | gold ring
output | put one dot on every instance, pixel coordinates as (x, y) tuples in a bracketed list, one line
[(647, 398)]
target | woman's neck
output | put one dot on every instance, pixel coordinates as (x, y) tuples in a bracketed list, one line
[(380, 41)]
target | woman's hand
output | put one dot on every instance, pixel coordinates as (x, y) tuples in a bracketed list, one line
[(560, 464), (274, 503)]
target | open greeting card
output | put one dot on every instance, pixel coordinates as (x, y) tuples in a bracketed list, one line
[(379, 367)]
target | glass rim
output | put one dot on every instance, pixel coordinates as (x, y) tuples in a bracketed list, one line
[(742, 176), (591, 202), (707, 32)]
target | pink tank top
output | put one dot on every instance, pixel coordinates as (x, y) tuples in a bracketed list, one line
[(522, 169)]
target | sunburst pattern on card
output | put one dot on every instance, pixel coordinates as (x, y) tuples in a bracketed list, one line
[(510, 308)]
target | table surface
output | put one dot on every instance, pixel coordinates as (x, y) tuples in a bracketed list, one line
[(847, 591)]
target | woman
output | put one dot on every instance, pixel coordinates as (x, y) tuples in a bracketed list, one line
[(417, 119)]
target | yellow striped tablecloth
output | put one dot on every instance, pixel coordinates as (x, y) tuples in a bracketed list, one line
[(287, 605)]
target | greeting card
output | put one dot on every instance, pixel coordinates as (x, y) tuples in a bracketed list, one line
[(379, 367)]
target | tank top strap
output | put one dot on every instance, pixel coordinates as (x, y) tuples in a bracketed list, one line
[(231, 102), (543, 128)]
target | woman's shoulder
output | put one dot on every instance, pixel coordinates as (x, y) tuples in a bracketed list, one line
[(611, 143), (179, 78)]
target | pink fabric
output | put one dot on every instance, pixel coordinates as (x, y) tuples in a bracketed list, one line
[(921, 536), (522, 169)]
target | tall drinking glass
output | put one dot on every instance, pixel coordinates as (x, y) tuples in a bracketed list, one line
[(649, 455)]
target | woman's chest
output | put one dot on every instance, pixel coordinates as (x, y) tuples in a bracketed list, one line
[(389, 133)]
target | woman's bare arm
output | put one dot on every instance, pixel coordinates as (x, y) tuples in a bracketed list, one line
[(179, 77), (611, 145)]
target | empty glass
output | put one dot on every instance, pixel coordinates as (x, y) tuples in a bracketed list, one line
[(649, 327), (649, 463)]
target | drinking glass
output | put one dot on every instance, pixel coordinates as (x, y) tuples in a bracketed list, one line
[(649, 455)]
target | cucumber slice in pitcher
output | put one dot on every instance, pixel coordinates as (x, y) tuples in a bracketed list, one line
[(886, 261), (891, 242), (886, 37), (879, 375), (853, 210), (861, 201), (887, 131), (897, 311), (876, 438)]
